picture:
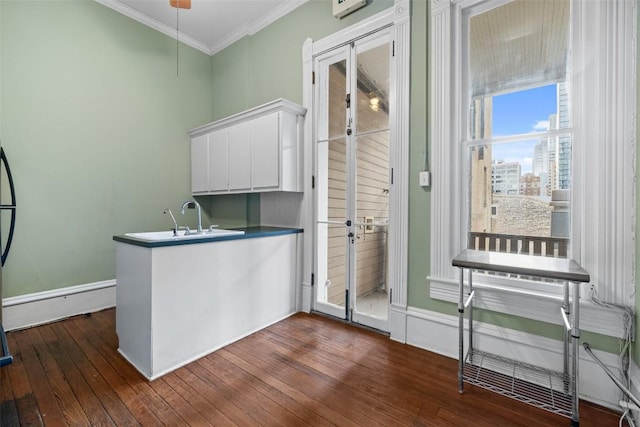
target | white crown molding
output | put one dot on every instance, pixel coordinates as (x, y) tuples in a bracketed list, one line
[(277, 13), (257, 25), (156, 25), (267, 108), (242, 31)]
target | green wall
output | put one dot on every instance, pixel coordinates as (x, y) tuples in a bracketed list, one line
[(94, 123)]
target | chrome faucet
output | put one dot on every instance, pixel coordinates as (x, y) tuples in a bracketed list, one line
[(175, 224), (190, 203)]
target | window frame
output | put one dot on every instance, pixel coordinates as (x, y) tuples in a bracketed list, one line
[(603, 223)]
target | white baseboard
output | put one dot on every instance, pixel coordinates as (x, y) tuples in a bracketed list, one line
[(438, 333), (43, 307)]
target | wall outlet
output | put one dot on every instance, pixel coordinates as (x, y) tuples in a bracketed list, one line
[(425, 179)]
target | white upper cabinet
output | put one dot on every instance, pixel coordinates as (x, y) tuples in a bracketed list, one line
[(254, 151), (217, 163), (199, 166), (239, 145), (266, 150)]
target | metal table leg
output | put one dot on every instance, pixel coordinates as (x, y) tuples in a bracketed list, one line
[(461, 332), (566, 335), (469, 304)]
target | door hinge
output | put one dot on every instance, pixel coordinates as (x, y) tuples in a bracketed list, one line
[(313, 77), (313, 279), (313, 181), (390, 295), (393, 48), (348, 100), (391, 176)]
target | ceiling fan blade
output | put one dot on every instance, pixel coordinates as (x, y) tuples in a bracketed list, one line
[(181, 4)]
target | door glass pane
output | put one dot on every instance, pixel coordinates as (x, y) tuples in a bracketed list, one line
[(372, 217), (331, 189), (332, 271), (373, 89), (337, 92), (333, 179), (334, 284)]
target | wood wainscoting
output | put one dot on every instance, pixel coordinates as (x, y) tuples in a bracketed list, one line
[(304, 370)]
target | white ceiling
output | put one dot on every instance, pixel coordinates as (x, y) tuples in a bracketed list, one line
[(210, 25), (518, 44)]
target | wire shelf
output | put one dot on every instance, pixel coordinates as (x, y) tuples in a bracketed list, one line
[(543, 388)]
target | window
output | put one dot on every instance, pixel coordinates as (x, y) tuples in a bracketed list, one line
[(514, 106), (578, 168)]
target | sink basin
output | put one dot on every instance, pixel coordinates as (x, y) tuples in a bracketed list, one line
[(156, 236)]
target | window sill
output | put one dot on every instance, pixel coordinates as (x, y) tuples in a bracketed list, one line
[(541, 305)]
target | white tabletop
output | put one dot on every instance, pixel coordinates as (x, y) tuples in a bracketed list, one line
[(529, 265)]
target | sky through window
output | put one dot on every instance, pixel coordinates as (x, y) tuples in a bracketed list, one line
[(518, 113)]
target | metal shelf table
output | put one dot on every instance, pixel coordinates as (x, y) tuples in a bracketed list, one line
[(554, 391)]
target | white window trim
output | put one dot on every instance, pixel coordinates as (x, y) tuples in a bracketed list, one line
[(603, 239)]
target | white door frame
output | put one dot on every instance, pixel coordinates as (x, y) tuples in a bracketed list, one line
[(398, 19)]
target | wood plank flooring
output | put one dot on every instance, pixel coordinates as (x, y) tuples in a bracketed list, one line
[(305, 370)]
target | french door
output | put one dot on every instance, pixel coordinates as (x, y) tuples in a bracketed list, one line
[(352, 180)]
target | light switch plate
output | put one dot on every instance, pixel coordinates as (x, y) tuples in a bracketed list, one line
[(425, 179)]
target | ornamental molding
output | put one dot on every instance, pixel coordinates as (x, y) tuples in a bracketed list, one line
[(402, 9), (438, 6)]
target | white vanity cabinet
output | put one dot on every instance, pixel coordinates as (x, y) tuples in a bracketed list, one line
[(257, 150), (179, 300)]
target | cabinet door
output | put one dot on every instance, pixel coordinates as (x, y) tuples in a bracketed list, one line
[(239, 144), (199, 164), (218, 161), (265, 151)]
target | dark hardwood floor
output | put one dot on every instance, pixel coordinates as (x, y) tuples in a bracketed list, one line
[(305, 370)]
